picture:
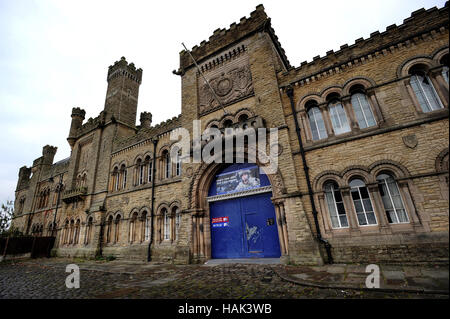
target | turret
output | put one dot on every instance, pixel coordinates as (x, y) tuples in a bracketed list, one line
[(48, 154), (77, 120), (24, 177), (123, 92), (146, 119)]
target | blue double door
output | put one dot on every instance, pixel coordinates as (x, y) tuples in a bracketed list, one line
[(244, 227)]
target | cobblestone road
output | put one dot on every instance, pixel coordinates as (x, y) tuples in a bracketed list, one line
[(45, 278)]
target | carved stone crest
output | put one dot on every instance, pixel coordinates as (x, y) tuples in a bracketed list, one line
[(410, 140), (230, 85)]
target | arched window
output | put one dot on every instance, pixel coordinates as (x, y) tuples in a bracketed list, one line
[(89, 230), (316, 122), (243, 118), (177, 221), (362, 203), (228, 123), (115, 179), (149, 162), (335, 205), (133, 231), (66, 232), (424, 90), (444, 62), (76, 236), (146, 226), (338, 117), (140, 172), (166, 162), (72, 226), (166, 224), (109, 229), (178, 164), (117, 229), (392, 200), (361, 107), (84, 180), (21, 205), (123, 175)]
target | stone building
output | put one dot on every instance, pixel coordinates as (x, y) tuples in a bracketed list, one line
[(362, 156)]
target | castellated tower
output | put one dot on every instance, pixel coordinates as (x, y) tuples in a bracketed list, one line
[(77, 121), (122, 93)]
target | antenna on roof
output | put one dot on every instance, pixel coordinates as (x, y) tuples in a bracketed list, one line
[(205, 80)]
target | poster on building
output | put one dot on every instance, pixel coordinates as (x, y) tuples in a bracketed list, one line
[(237, 181)]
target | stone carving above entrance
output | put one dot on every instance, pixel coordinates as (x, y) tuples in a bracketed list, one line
[(232, 84)]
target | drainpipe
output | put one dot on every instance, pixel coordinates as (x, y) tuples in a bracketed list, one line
[(290, 94), (57, 204), (149, 257)]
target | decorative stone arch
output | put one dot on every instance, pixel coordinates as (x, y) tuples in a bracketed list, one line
[(175, 203), (439, 54), (118, 214), (242, 112), (330, 90), (357, 171), (212, 122), (365, 82), (442, 167), (225, 118), (306, 98), (441, 162), (397, 169), (132, 212), (161, 206), (199, 208), (147, 154), (144, 209), (124, 162), (320, 180), (137, 158), (204, 175), (404, 68)]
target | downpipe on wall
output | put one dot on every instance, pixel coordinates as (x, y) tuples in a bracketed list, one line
[(290, 94), (152, 213)]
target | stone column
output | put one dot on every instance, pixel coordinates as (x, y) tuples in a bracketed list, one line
[(373, 101), (440, 85), (349, 210), (378, 207), (346, 103), (327, 120), (280, 229)]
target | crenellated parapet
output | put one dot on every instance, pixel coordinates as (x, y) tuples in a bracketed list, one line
[(223, 38), (145, 134), (122, 68), (421, 25), (146, 119)]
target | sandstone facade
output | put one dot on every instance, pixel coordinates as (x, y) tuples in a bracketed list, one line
[(374, 187)]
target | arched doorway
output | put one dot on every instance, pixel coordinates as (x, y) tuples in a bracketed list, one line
[(242, 217)]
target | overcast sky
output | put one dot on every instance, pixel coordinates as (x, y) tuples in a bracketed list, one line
[(54, 55)]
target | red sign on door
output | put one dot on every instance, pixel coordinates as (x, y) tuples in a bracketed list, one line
[(220, 220)]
